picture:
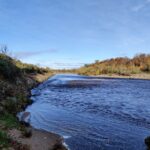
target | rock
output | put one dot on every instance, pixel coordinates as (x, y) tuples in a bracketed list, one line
[(25, 116), (28, 132), (59, 146), (147, 142)]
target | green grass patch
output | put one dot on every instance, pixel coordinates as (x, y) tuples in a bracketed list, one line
[(9, 121), (4, 139)]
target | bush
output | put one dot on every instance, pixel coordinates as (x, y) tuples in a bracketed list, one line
[(11, 68), (121, 66), (7, 68), (11, 105)]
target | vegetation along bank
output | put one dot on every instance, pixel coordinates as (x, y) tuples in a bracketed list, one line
[(16, 81)]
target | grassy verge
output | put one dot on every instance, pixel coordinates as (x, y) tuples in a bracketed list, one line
[(4, 139)]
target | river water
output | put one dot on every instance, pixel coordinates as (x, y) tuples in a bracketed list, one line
[(93, 113)]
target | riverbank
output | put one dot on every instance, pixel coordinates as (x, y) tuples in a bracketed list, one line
[(12, 132), (145, 76), (16, 81), (40, 140)]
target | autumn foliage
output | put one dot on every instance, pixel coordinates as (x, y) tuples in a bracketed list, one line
[(121, 65)]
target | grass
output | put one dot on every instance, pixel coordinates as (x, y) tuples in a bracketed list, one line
[(6, 142), (8, 121), (4, 139)]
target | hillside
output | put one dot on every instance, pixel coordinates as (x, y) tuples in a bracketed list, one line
[(16, 78), (120, 66)]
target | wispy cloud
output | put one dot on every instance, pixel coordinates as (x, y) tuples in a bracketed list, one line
[(25, 54), (141, 6), (59, 64), (70, 65)]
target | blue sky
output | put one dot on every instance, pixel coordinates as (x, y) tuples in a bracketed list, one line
[(70, 33)]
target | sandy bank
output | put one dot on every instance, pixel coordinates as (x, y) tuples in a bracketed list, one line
[(40, 140)]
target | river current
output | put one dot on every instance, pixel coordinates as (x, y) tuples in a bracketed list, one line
[(93, 113)]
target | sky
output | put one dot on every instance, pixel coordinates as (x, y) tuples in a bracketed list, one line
[(71, 33)]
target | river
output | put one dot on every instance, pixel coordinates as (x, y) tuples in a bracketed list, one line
[(93, 113)]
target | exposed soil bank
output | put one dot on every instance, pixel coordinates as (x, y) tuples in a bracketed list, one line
[(40, 140)]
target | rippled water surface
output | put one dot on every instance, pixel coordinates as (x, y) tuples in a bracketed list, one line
[(94, 113)]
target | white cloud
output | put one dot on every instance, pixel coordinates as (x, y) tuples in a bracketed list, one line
[(25, 54)]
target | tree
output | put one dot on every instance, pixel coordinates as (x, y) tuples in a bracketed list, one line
[(4, 49), (96, 61)]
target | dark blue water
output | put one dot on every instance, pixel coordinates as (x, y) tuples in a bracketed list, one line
[(94, 113)]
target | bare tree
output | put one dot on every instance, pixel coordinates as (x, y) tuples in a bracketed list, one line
[(4, 49)]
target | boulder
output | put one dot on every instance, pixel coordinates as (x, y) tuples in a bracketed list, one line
[(24, 118), (28, 132)]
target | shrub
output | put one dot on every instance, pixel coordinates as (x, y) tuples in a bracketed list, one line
[(7, 67), (121, 65)]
